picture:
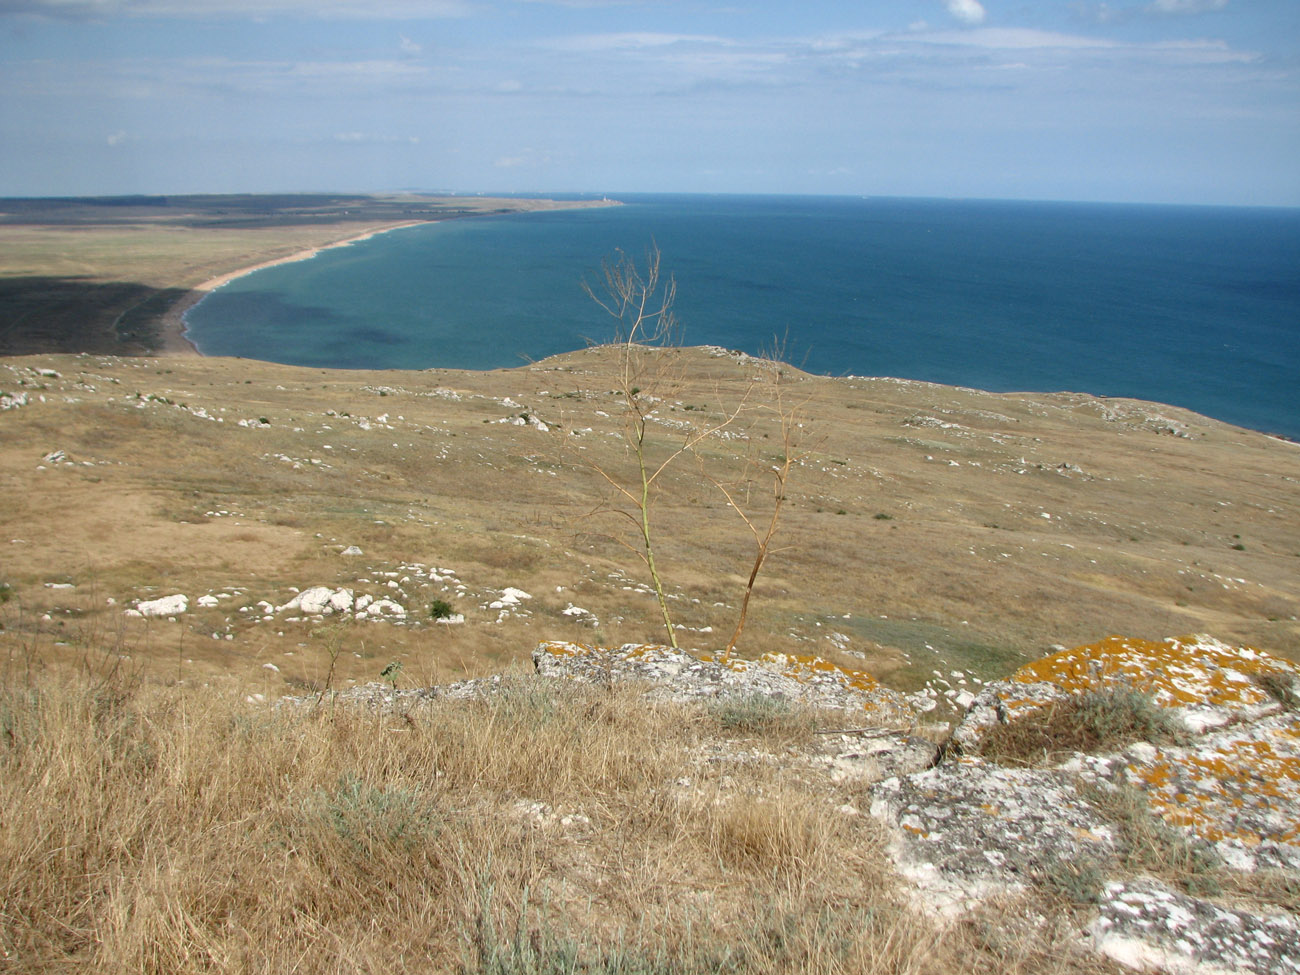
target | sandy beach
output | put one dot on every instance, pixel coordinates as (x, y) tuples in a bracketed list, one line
[(173, 340)]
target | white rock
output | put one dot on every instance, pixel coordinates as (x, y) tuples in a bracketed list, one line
[(166, 606), (352, 550), (207, 601), (386, 607), (319, 601)]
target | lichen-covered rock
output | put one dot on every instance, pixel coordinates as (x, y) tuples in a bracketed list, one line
[(1231, 781), (1237, 788), (968, 829), (1236, 783), (1144, 925), (999, 703), (683, 676), (1202, 682)]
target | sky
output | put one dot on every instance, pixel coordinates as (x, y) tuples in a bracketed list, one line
[(1158, 101)]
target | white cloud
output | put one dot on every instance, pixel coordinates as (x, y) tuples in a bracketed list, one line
[(1016, 38), (116, 138), (1104, 13), (967, 11), (410, 47), (630, 41), (525, 158), (1186, 6)]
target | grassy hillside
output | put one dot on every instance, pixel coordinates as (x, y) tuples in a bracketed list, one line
[(926, 528)]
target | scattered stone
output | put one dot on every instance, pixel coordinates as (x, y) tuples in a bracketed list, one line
[(352, 550), (166, 606), (510, 598), (386, 607), (320, 601)]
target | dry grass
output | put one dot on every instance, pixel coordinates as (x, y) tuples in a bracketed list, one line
[(1101, 721), (547, 829), (931, 588)]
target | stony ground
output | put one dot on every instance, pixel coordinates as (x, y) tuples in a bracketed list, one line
[(1175, 844), (937, 537)]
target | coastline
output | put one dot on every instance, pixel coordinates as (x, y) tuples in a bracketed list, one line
[(172, 328), (172, 338)]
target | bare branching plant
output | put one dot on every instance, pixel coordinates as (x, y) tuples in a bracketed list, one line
[(641, 298)]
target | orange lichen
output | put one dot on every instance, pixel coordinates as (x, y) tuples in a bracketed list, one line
[(1209, 791), (1176, 672), (804, 667)]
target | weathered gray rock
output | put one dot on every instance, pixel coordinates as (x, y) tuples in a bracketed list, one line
[(968, 829), (682, 676), (851, 758), (1231, 784), (1147, 926)]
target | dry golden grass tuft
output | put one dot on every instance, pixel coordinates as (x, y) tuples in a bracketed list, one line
[(1095, 722), (545, 829)]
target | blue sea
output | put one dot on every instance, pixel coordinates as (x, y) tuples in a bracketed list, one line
[(1195, 306)]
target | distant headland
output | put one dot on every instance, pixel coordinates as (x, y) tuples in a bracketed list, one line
[(116, 274)]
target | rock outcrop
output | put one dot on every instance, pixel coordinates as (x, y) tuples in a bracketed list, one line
[(1143, 836), (682, 676), (1219, 796)]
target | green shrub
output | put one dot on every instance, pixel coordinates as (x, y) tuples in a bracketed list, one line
[(757, 713), (1080, 881), (364, 815)]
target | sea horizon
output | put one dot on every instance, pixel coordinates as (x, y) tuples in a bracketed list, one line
[(1197, 306)]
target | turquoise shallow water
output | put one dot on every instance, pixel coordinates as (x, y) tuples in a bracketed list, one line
[(1196, 306)]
